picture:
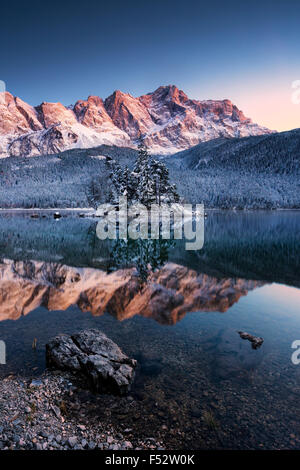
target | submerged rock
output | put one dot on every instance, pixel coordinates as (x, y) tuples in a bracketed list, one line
[(94, 355), (256, 341)]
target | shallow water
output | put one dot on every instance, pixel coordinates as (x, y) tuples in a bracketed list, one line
[(196, 375)]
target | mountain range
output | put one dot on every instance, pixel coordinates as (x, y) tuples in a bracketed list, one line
[(167, 119)]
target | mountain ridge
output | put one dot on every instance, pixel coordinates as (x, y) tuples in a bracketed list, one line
[(277, 153), (167, 120), (251, 172)]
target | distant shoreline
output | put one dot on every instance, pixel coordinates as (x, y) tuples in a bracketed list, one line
[(48, 209), (92, 211)]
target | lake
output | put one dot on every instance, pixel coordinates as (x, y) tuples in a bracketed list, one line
[(177, 312)]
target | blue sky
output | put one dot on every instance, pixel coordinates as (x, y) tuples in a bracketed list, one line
[(67, 50)]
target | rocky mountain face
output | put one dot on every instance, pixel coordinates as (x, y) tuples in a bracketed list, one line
[(167, 296), (167, 120)]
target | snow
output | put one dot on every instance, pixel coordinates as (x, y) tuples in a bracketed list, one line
[(166, 128)]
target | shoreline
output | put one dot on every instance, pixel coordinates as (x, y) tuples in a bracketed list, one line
[(48, 209), (54, 412), (93, 211)]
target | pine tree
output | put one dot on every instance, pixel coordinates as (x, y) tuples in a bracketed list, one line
[(128, 184), (115, 174), (165, 192), (145, 192)]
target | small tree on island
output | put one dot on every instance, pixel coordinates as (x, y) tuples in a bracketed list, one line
[(148, 183)]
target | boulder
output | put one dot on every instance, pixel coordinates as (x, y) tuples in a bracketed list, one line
[(256, 341), (92, 354)]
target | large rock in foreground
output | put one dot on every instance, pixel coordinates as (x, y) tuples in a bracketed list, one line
[(94, 355)]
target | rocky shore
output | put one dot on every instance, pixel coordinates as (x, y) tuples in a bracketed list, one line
[(69, 406), (56, 412)]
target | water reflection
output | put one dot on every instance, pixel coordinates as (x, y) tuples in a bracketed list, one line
[(59, 264), (262, 246), (145, 255), (169, 293), (197, 370)]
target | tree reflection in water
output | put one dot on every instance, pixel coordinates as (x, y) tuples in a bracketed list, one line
[(145, 255)]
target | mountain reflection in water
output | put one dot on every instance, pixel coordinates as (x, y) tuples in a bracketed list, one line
[(262, 246), (197, 371), (59, 264), (167, 295)]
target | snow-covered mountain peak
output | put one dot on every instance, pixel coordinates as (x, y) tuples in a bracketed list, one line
[(167, 119)]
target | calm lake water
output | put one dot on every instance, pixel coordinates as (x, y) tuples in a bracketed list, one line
[(176, 311)]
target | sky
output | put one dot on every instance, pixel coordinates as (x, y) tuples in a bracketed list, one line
[(248, 52)]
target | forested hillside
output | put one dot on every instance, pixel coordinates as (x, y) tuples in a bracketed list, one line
[(268, 154), (64, 180), (261, 172), (252, 172)]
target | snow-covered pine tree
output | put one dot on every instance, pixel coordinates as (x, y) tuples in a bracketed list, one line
[(165, 192), (173, 193), (145, 191), (116, 176), (128, 184)]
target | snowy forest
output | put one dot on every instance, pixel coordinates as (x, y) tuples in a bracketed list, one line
[(261, 172)]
